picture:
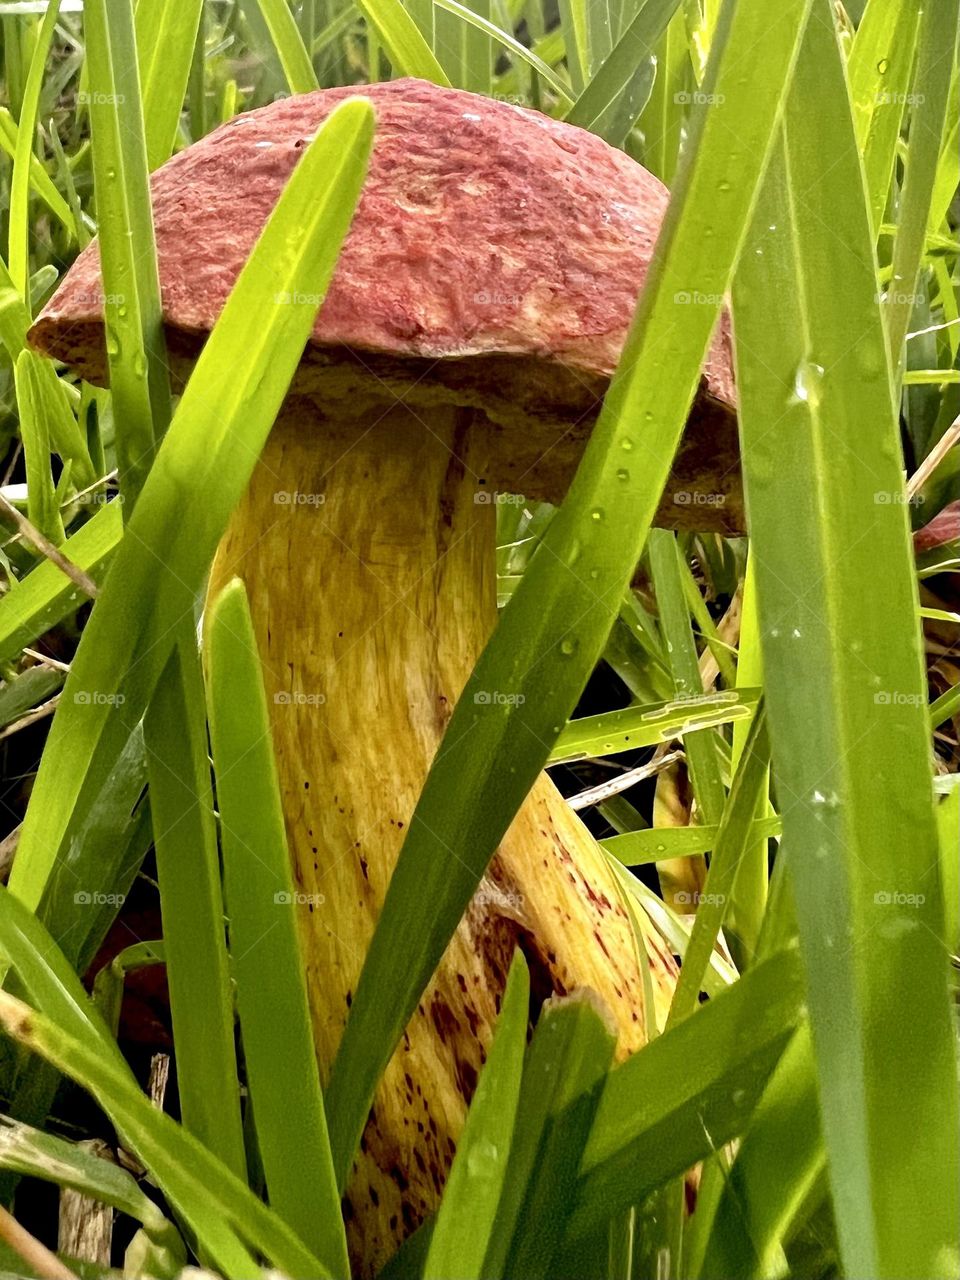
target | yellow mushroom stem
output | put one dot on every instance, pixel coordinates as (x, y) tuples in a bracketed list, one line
[(367, 550)]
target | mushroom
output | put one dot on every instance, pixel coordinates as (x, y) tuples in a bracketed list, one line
[(476, 315)]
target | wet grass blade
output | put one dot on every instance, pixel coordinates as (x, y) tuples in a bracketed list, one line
[(166, 35), (218, 1207), (201, 471), (288, 42), (618, 69), (46, 595), (188, 873), (468, 1209), (406, 48), (776, 1167), (879, 69), (43, 509), (656, 844), (267, 965), (549, 636), (648, 725), (32, 1153), (572, 1049), (19, 219), (852, 763), (688, 1092), (732, 838), (936, 42), (136, 350)]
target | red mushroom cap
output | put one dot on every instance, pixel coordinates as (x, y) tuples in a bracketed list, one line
[(494, 260)]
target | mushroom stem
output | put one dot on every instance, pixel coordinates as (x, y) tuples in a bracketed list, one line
[(367, 550)]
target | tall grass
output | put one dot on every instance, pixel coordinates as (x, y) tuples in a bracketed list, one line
[(805, 877)]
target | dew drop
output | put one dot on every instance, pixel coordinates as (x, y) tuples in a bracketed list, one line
[(597, 515), (569, 646), (626, 444), (623, 475)]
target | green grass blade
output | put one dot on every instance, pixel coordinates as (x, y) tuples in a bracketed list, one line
[(136, 351), (40, 180), (548, 638), (656, 844), (576, 1043), (879, 68), (47, 595), (288, 42), (35, 1154), (267, 964), (19, 220), (619, 67), (43, 509), (734, 832), (701, 745), (776, 1167), (188, 873), (478, 23), (201, 471), (851, 762), (690, 1090), (468, 1209), (51, 982), (219, 1208), (166, 36), (650, 724), (408, 51), (936, 43)]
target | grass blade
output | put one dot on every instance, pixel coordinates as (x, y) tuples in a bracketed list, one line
[(188, 873), (19, 221), (406, 48), (689, 1091), (468, 801), (262, 905), (852, 763), (201, 471), (288, 42), (166, 35), (136, 351), (219, 1208), (648, 725), (468, 1209)]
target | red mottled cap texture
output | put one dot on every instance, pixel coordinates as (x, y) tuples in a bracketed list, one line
[(495, 257)]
